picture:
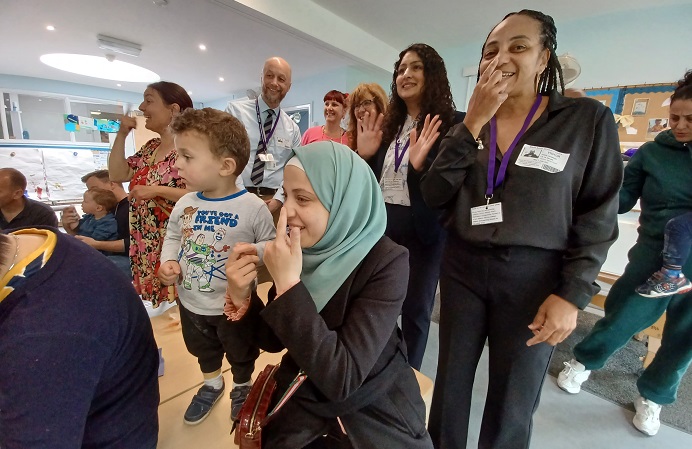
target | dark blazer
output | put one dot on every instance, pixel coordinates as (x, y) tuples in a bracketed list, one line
[(353, 355), (426, 220)]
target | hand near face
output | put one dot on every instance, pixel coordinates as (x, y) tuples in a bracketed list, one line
[(369, 134), (419, 148), (141, 193), (283, 256), (487, 97), (169, 272), (70, 217), (127, 124), (555, 320), (241, 272)]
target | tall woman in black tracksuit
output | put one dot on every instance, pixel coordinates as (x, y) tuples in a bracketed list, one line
[(421, 100), (529, 181)]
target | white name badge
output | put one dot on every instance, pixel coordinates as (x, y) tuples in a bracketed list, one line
[(491, 213), (393, 183), (542, 158), (269, 162), (280, 141)]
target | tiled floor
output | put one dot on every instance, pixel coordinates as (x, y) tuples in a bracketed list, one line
[(566, 421)]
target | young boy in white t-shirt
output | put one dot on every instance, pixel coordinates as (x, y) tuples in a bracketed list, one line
[(213, 149)]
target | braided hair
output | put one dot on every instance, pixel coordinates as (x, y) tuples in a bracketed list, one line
[(436, 98), (683, 91), (548, 80)]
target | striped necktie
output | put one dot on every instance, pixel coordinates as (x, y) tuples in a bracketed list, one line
[(257, 174)]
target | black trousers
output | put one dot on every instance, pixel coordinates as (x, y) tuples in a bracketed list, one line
[(210, 337), (491, 293), (424, 266)]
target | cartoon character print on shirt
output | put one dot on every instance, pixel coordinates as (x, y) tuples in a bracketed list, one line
[(205, 261)]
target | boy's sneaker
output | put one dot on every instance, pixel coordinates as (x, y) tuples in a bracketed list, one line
[(202, 404), (659, 285), (238, 397), (646, 420), (572, 376)]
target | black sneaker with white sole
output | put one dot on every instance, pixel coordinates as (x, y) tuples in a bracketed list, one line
[(202, 404)]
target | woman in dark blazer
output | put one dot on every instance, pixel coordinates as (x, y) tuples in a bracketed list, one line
[(420, 111), (334, 306)]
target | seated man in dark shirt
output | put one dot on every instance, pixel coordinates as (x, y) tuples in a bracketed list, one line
[(79, 361), (120, 248), (16, 210)]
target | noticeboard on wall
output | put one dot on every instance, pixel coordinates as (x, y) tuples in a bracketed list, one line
[(302, 115), (641, 110), (54, 172)]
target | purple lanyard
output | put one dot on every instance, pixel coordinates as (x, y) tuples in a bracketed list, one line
[(268, 137), (492, 151), (398, 158)]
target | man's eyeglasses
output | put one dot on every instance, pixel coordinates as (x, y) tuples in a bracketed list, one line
[(364, 104)]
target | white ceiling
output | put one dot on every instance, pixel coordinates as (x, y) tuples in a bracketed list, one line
[(314, 36)]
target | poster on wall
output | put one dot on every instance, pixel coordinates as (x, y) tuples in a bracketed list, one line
[(29, 161), (64, 171)]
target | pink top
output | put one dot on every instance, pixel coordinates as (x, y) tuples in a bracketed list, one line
[(316, 134)]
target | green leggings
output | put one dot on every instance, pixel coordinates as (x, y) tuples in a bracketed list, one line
[(627, 313)]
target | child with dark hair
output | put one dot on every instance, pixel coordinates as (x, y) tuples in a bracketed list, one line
[(669, 280)]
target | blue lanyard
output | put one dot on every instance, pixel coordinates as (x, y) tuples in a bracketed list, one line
[(492, 151), (268, 137)]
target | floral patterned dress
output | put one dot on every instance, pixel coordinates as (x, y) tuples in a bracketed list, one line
[(148, 221)]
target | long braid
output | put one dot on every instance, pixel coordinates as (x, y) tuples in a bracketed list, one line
[(552, 75)]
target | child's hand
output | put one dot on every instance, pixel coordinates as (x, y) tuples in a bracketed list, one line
[(169, 272), (241, 272), (284, 256)]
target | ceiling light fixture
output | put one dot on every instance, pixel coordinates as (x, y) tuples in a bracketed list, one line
[(119, 85), (100, 67), (202, 47), (50, 28), (118, 45), (221, 78)]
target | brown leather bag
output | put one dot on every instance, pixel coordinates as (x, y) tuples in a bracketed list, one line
[(253, 414)]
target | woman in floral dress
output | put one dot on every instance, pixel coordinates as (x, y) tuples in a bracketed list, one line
[(154, 185)]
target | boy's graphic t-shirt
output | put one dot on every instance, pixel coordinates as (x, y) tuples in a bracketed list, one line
[(201, 234)]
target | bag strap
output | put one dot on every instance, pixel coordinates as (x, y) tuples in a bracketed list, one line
[(292, 388)]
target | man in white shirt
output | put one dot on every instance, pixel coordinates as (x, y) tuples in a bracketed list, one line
[(273, 134)]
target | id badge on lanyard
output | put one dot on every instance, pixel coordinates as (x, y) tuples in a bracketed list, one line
[(492, 213)]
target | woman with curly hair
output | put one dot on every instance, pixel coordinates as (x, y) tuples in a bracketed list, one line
[(420, 111), (366, 97)]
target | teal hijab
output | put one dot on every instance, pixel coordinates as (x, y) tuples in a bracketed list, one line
[(347, 188)]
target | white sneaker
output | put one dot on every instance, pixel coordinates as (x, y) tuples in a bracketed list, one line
[(572, 376), (646, 420)]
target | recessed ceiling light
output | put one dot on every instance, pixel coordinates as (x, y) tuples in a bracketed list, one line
[(189, 92), (221, 78), (99, 67), (50, 28), (202, 47), (119, 85)]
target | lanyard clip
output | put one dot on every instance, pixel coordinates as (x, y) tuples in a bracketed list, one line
[(487, 200)]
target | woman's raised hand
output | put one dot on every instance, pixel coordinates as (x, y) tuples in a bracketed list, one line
[(487, 97), (283, 256), (127, 124), (419, 148), (369, 135), (241, 272)]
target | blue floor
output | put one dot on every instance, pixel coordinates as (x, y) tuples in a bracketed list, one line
[(566, 421)]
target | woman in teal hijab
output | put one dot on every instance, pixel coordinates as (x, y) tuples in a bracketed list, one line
[(339, 287)]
